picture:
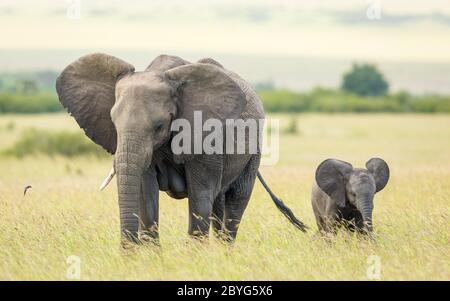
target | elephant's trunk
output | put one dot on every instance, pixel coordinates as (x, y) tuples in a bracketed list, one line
[(130, 161), (365, 204)]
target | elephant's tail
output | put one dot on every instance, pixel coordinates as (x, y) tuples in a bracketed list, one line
[(282, 207)]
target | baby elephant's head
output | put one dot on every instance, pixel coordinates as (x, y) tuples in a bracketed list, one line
[(356, 186)]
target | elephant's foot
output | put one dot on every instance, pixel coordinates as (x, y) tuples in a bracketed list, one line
[(150, 238), (129, 242), (228, 237), (199, 234), (200, 213), (224, 236)]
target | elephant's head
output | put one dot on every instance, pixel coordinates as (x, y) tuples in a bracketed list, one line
[(129, 113), (356, 186)]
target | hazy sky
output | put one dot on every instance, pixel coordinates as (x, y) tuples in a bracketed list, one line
[(407, 30)]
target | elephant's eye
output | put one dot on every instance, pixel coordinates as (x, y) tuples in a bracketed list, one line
[(159, 126)]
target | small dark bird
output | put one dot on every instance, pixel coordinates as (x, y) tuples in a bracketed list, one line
[(25, 189)]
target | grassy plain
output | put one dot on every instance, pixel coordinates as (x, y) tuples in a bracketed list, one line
[(64, 213)]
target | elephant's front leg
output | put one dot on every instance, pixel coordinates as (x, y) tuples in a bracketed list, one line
[(218, 214), (203, 179), (200, 210), (149, 207)]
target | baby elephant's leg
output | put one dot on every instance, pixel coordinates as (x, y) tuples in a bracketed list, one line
[(331, 218), (330, 224)]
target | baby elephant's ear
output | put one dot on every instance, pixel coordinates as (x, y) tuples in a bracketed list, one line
[(380, 171), (332, 176)]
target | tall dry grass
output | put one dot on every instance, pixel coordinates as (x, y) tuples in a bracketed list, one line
[(64, 213)]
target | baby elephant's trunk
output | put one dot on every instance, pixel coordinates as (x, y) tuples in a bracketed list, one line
[(365, 205), (282, 207)]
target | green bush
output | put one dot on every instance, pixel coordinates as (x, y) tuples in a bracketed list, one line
[(40, 102), (50, 143)]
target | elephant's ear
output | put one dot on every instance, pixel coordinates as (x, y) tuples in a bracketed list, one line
[(165, 62), (380, 171), (332, 176), (206, 88), (87, 89), (208, 60)]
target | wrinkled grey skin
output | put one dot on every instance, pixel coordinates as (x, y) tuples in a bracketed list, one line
[(129, 114), (343, 195)]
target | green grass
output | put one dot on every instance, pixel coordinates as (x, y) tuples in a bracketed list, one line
[(64, 213)]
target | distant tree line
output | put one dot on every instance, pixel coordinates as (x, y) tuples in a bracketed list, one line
[(28, 82), (334, 101), (27, 103), (363, 89)]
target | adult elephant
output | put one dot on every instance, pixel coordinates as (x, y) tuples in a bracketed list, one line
[(130, 114)]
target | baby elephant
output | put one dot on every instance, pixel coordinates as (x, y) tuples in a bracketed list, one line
[(343, 195)]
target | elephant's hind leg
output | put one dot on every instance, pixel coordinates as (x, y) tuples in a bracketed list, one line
[(237, 197)]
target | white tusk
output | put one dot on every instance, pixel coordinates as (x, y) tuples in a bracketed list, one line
[(108, 179)]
